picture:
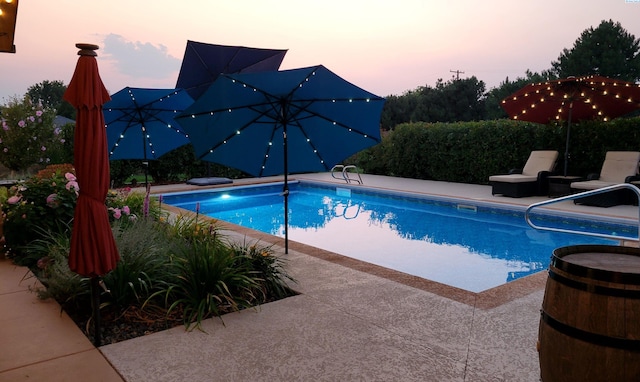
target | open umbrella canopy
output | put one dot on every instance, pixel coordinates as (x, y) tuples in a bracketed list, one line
[(203, 63), (573, 99), (93, 250), (140, 122), (586, 98), (242, 118), (255, 122)]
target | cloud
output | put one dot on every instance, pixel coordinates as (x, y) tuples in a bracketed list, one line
[(138, 59)]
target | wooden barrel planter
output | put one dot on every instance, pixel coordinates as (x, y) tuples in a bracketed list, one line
[(590, 317)]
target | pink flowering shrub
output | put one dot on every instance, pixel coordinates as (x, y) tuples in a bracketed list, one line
[(41, 203), (27, 135)]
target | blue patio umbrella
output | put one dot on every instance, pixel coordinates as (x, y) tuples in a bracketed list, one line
[(281, 122), (203, 63), (140, 122)]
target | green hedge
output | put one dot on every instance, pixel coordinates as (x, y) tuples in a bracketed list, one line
[(175, 166), (470, 152)]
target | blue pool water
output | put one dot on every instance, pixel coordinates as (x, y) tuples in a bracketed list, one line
[(473, 247)]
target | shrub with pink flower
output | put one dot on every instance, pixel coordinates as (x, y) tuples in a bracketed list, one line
[(125, 205), (46, 202), (27, 134), (37, 204)]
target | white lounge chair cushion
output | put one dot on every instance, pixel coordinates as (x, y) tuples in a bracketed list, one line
[(618, 165), (541, 160)]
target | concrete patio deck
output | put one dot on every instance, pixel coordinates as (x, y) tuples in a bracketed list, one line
[(351, 322)]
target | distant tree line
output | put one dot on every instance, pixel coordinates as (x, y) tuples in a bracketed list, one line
[(608, 50)]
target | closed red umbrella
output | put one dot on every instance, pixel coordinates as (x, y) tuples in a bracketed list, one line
[(93, 249)]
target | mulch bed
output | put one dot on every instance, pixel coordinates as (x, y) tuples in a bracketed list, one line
[(120, 325)]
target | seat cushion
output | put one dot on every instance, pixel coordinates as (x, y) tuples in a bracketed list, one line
[(513, 178), (592, 184)]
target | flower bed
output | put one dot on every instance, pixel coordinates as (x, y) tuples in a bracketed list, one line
[(169, 274)]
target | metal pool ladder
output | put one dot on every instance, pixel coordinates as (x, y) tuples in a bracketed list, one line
[(577, 196), (346, 174)]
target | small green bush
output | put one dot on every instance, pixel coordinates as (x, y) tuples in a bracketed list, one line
[(51, 252)]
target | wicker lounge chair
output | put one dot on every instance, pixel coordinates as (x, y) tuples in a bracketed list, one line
[(618, 167), (530, 181)]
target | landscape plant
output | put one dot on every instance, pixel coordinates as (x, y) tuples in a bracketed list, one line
[(27, 134), (207, 283), (267, 267), (145, 255), (44, 202)]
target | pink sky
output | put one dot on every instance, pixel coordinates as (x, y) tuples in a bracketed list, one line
[(382, 46)]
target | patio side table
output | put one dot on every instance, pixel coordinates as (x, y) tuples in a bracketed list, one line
[(561, 185)]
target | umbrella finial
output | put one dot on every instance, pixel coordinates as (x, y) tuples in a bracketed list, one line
[(87, 49)]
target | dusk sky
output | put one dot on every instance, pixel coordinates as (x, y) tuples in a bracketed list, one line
[(386, 47)]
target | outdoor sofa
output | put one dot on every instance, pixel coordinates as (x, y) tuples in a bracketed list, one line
[(530, 180), (618, 167)]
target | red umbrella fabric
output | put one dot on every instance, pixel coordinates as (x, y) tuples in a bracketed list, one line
[(93, 249), (590, 97), (573, 99)]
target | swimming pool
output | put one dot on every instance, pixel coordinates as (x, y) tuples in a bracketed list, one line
[(470, 246)]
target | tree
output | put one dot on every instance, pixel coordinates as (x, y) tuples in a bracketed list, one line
[(608, 50), (49, 94), (398, 109), (452, 101), (508, 87)]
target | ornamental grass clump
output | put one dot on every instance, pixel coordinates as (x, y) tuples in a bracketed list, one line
[(208, 283), (267, 268), (145, 256)]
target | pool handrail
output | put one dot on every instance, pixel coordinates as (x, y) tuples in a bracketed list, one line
[(345, 173), (580, 195)]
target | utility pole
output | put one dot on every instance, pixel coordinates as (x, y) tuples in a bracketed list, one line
[(457, 72)]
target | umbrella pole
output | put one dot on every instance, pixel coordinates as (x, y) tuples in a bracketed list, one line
[(95, 303), (285, 191), (146, 173), (566, 148)]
